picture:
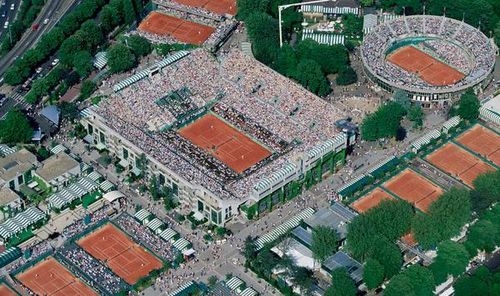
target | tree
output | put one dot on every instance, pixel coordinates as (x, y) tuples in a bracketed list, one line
[(486, 191), (310, 76), (485, 233), (120, 58), (452, 258), (388, 254), (69, 111), (342, 284), (385, 122), (421, 279), (353, 25), (481, 283), (249, 248), (128, 11), (69, 48), (91, 34), (468, 106), (444, 219), (140, 46), (331, 58), (346, 76), (401, 97), (15, 128), (366, 3), (107, 19), (324, 242), (212, 280), (154, 188), (399, 285), (88, 87), (82, 62), (247, 7), (373, 273), (302, 277), (416, 115), (264, 262), (262, 30), (286, 61)]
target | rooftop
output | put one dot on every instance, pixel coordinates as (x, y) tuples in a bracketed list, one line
[(7, 196), (16, 163), (336, 217), (56, 165), (341, 259)]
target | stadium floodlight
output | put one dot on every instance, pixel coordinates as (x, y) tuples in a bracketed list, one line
[(283, 7)]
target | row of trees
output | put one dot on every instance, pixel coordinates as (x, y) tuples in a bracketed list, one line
[(309, 63), (482, 283), (51, 41), (76, 51), (26, 15)]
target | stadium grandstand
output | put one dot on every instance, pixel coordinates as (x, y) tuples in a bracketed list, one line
[(433, 59), (225, 133)]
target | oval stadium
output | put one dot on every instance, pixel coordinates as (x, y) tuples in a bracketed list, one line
[(432, 58)]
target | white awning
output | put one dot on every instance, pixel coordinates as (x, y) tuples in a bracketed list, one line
[(234, 283), (168, 234), (142, 215), (188, 252), (155, 224), (181, 244), (113, 195)]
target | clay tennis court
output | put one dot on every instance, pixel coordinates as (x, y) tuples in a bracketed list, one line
[(483, 141), (217, 6), (224, 142), (49, 277), (180, 29), (425, 66), (371, 200), (414, 188), (458, 163), (6, 291), (124, 257)]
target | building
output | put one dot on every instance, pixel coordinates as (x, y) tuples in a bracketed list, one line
[(10, 203), (341, 259), (302, 145), (16, 169), (336, 217), (58, 170)]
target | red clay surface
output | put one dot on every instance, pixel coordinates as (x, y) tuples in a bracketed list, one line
[(6, 291), (224, 142), (414, 188), (217, 6), (409, 239), (371, 200), (483, 141), (123, 256), (182, 30), (49, 277), (458, 163), (425, 66)]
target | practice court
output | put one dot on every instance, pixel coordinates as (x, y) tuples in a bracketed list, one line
[(371, 200), (217, 6), (425, 66), (49, 277), (482, 141), (6, 291), (224, 142), (180, 29), (458, 163), (414, 188), (123, 256)]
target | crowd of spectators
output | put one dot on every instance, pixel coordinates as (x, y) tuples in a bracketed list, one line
[(144, 236), (80, 225), (34, 252), (449, 40), (94, 270), (265, 105), (199, 11)]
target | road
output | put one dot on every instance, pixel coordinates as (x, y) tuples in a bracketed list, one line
[(53, 10), (7, 14)]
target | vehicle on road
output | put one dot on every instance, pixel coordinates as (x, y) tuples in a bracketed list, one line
[(45, 21), (6, 25), (55, 62), (12, 6), (35, 27), (39, 70)]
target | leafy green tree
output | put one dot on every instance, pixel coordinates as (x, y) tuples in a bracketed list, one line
[(249, 248), (107, 19), (468, 106), (421, 279), (120, 58), (366, 3), (69, 24), (264, 262), (347, 76), (286, 62), (385, 122), (212, 280), (331, 58), (140, 46), (353, 25), (373, 273), (324, 242), (445, 217), (302, 277), (69, 111), (128, 11), (88, 87), (82, 62), (486, 191), (247, 7), (310, 76), (399, 285), (262, 30), (452, 258), (388, 254), (342, 284), (481, 283), (69, 48), (91, 34), (15, 128), (154, 188), (416, 115)]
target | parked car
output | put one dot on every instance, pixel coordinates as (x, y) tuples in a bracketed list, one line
[(6, 25), (55, 62), (12, 7), (45, 21)]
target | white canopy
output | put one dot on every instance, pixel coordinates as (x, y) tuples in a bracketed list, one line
[(113, 195)]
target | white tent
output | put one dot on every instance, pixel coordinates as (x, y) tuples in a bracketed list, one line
[(113, 195)]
